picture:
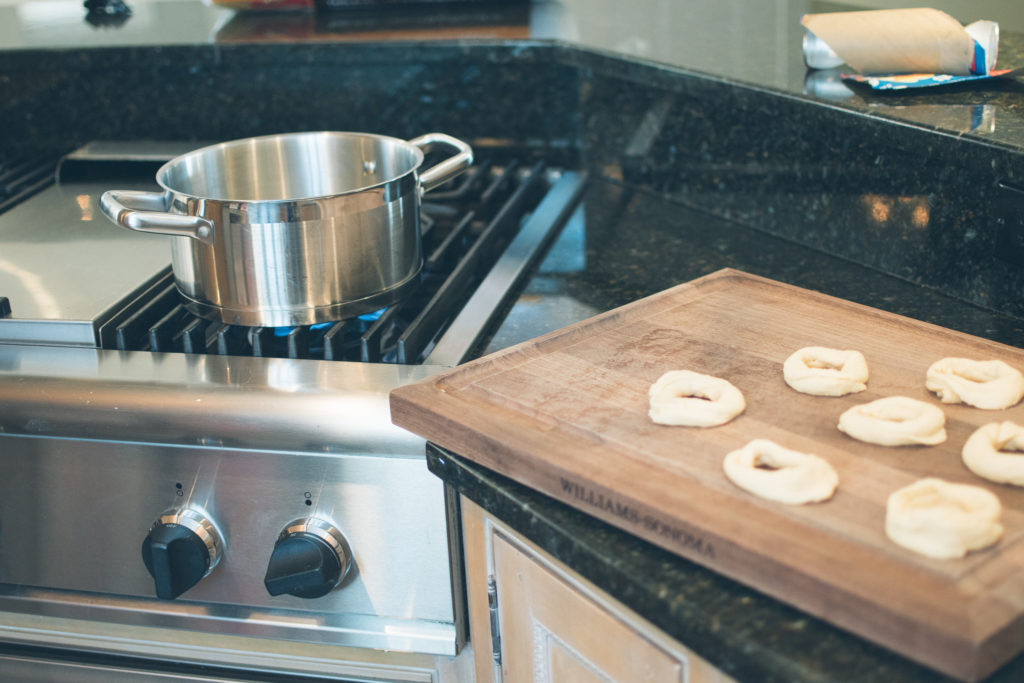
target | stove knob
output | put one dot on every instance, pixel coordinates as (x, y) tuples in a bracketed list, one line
[(180, 549), (310, 559)]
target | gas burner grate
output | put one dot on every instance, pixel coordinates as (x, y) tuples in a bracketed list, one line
[(22, 178), (466, 226)]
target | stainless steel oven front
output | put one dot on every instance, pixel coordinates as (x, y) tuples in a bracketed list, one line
[(251, 448)]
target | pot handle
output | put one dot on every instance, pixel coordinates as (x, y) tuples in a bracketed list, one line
[(147, 212), (450, 167)]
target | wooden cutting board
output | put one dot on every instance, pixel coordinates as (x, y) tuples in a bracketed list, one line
[(567, 415)]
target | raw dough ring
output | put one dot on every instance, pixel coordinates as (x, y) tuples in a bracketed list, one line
[(985, 384), (689, 399), (986, 453), (771, 471), (895, 421), (821, 371), (941, 519)]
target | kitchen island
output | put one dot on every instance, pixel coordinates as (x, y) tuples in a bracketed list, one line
[(707, 145), (738, 630)]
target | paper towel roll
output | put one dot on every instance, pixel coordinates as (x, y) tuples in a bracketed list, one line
[(920, 40)]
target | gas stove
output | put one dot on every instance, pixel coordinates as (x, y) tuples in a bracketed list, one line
[(181, 492)]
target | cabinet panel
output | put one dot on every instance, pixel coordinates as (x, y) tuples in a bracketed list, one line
[(555, 626), (567, 665), (550, 632)]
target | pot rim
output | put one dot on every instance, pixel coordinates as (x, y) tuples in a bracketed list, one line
[(417, 152)]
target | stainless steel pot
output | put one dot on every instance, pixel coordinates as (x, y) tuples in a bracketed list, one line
[(292, 229)]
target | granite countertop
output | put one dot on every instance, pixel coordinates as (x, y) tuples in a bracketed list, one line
[(707, 143), (629, 246)]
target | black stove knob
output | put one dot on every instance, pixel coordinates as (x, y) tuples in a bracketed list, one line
[(102, 13), (310, 559), (181, 548)]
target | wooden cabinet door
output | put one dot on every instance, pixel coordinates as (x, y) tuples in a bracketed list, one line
[(552, 633), (554, 626)]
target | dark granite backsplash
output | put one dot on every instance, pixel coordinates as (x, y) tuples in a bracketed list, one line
[(913, 203), (916, 203), (60, 99)]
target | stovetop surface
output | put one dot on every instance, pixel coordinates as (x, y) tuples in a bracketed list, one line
[(63, 265), (72, 278)]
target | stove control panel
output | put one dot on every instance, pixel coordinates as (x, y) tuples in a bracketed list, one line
[(310, 559), (182, 547), (367, 533)]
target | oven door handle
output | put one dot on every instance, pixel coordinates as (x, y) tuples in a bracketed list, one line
[(147, 212)]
